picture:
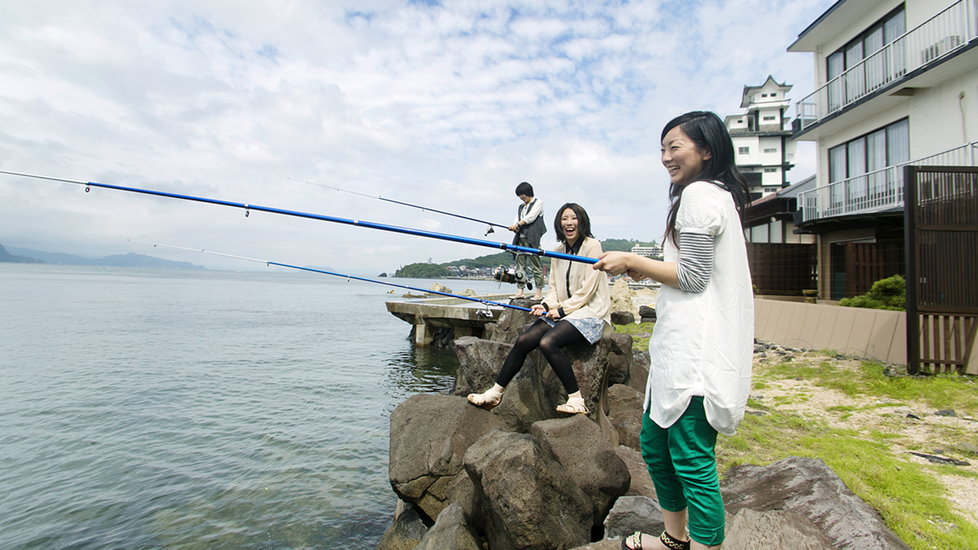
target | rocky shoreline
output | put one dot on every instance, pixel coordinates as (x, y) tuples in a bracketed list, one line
[(526, 477)]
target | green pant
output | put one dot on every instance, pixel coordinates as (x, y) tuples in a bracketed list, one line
[(682, 462), (534, 264)]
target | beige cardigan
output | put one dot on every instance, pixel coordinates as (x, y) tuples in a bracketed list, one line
[(590, 294)]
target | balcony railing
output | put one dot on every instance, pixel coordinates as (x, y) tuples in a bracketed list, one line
[(933, 39), (877, 190)]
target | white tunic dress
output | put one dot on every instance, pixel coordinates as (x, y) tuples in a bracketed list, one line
[(703, 343)]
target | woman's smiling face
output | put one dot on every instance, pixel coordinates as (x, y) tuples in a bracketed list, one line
[(682, 157), (568, 222)]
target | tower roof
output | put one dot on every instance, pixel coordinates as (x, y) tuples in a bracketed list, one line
[(749, 91)]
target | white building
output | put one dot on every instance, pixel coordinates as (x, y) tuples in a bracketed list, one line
[(761, 139), (896, 83), (654, 251)]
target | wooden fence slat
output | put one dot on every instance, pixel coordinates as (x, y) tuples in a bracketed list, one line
[(941, 221)]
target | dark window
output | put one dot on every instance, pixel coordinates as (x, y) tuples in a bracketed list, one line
[(866, 156), (876, 71)]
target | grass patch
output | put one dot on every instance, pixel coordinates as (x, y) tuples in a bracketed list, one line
[(641, 332), (909, 495), (941, 391)]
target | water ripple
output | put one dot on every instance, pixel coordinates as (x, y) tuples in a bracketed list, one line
[(157, 409)]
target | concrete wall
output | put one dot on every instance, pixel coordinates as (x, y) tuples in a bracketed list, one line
[(871, 333)]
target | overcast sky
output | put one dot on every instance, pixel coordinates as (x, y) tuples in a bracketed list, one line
[(446, 105)]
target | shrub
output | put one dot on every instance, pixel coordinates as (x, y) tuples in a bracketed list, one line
[(889, 293)]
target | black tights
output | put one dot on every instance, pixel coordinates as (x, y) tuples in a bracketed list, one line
[(549, 340)]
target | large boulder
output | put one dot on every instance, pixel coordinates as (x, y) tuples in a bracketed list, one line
[(588, 457), (438, 289), (634, 513), (603, 544), (527, 498), (628, 427), (641, 482), (625, 414), (428, 438), (535, 392), (511, 323), (479, 362), (619, 355), (622, 398), (450, 532), (407, 530), (809, 489), (638, 370), (750, 529), (622, 318), (646, 314)]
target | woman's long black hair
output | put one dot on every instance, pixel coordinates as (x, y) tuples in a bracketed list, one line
[(709, 133), (583, 222)]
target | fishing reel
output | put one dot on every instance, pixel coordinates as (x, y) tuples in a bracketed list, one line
[(511, 275), (484, 314)]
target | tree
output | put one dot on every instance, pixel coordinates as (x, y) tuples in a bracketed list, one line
[(422, 271), (622, 245)]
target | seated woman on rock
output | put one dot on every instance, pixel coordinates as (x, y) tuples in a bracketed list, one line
[(577, 309)]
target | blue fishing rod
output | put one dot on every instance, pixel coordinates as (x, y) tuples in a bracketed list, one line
[(422, 208), (515, 249), (487, 313)]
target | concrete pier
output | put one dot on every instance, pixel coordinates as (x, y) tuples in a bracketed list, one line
[(462, 316)]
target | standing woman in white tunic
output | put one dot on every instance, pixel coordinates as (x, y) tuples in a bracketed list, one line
[(702, 345)]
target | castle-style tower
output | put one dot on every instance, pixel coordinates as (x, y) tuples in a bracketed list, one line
[(762, 137)]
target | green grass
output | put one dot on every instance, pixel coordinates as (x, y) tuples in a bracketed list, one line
[(641, 332), (942, 391), (908, 495)]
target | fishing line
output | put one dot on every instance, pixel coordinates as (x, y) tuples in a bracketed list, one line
[(487, 313), (422, 208), (359, 223)]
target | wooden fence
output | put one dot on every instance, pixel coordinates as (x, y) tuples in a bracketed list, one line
[(941, 228), (867, 263), (783, 269)]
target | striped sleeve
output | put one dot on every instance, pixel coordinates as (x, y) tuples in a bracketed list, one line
[(695, 261)]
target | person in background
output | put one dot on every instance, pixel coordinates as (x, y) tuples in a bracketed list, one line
[(529, 228), (702, 346), (577, 309)]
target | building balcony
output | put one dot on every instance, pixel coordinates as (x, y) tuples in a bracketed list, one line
[(878, 191), (898, 67)]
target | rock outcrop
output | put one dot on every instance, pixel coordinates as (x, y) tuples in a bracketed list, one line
[(809, 489), (622, 318), (430, 435), (527, 499), (523, 476), (774, 529), (535, 392), (409, 527)]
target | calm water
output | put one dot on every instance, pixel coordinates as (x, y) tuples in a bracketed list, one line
[(173, 409)]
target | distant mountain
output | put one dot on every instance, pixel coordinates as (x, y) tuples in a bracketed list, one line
[(131, 259), (10, 258)]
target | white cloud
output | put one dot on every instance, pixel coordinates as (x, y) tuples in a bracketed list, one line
[(447, 106)]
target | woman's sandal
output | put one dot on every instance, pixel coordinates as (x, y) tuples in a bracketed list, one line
[(665, 538), (487, 400), (574, 405)]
